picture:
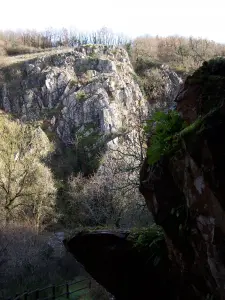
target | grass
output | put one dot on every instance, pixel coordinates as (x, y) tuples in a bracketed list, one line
[(10, 60)]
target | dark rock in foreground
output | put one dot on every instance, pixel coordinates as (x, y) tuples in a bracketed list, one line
[(121, 267), (185, 191)]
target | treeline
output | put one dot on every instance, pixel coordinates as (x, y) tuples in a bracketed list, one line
[(180, 53), (31, 40)]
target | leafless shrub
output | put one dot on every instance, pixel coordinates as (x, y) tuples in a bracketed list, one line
[(25, 256), (182, 54)]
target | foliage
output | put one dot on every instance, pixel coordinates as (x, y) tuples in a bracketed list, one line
[(148, 235), (100, 201), (110, 195), (152, 240), (192, 127), (25, 256), (20, 49), (80, 95), (164, 139), (153, 85), (182, 54), (23, 174)]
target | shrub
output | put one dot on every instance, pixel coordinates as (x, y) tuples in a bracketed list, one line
[(148, 235), (152, 240), (20, 49), (153, 85), (81, 95), (163, 128), (185, 54), (25, 256), (24, 194)]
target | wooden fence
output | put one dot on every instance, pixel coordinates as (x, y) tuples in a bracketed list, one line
[(63, 291)]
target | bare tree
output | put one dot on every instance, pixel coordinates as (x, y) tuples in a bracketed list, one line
[(111, 195)]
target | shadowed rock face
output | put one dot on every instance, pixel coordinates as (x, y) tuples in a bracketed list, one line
[(192, 181), (112, 259), (185, 192)]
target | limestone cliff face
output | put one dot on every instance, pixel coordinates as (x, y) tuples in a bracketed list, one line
[(164, 85), (90, 88), (185, 190)]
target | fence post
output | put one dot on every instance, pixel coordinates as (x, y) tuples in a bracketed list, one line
[(25, 295), (53, 292), (67, 291), (17, 297), (37, 295)]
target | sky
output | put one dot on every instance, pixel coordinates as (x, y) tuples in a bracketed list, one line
[(133, 18)]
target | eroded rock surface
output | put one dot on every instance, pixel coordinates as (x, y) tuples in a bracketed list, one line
[(185, 191), (90, 88)]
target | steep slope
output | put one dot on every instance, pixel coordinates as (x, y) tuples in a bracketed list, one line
[(89, 86), (184, 190), (82, 98)]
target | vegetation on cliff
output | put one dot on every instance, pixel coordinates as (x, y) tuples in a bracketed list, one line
[(81, 194), (24, 150), (163, 129)]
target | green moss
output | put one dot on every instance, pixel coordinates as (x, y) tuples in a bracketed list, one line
[(81, 95), (192, 127)]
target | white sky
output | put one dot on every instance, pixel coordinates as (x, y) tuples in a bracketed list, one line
[(199, 18)]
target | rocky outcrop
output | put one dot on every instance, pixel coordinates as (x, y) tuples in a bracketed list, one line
[(88, 89), (124, 268), (185, 190), (159, 83), (165, 87)]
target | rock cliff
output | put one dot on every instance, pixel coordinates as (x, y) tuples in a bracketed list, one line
[(88, 89), (185, 191)]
